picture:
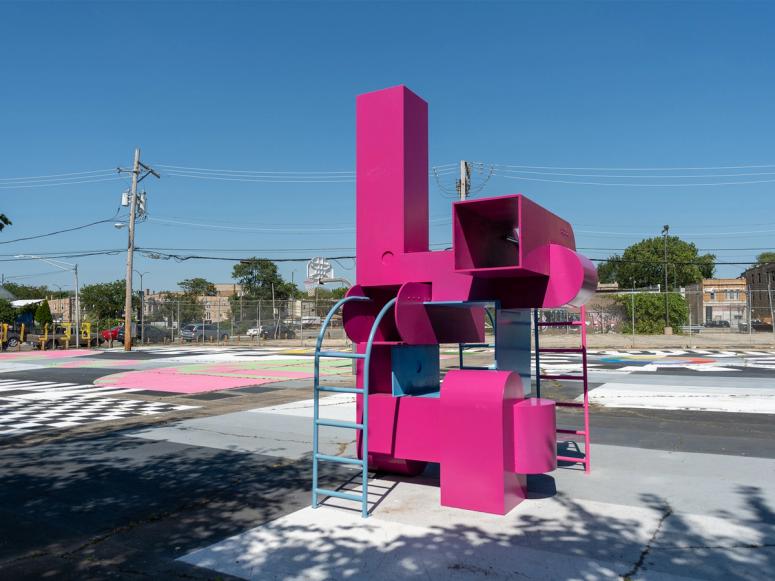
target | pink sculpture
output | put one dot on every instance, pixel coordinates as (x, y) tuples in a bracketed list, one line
[(479, 424)]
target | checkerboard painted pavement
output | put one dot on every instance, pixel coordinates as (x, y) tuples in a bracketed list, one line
[(27, 407)]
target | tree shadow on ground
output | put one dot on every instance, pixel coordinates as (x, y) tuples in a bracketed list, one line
[(128, 507)]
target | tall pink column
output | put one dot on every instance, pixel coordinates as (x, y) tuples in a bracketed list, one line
[(392, 182)]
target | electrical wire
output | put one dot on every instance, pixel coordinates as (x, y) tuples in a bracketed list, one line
[(639, 185), (56, 176), (62, 183), (695, 168), (81, 227)]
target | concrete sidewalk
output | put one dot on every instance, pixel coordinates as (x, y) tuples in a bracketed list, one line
[(640, 514)]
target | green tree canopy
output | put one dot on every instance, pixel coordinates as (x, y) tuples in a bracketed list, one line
[(763, 258), (7, 312), (650, 312), (197, 287), (258, 276), (105, 300), (43, 314), (643, 264), (26, 291)]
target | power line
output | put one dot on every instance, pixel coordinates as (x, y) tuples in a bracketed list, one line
[(58, 175), (81, 227), (249, 172), (644, 177), (60, 183), (638, 185), (694, 168)]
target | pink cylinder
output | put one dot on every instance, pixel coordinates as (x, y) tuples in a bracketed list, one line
[(535, 436)]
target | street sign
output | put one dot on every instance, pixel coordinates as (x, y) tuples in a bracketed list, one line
[(319, 268)]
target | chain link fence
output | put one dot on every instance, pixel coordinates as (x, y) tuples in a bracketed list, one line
[(235, 320), (297, 322)]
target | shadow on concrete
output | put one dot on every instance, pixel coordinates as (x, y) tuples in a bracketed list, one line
[(129, 507), (588, 545)]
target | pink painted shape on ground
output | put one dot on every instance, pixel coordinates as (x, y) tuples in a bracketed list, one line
[(173, 381), (31, 355), (236, 370)]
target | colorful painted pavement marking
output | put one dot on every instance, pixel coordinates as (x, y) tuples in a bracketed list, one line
[(30, 406), (45, 355), (20, 416), (200, 378)]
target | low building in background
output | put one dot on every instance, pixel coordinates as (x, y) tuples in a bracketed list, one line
[(718, 302), (62, 310), (217, 308), (761, 282)]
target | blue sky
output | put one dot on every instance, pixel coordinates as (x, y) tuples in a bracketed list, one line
[(269, 86)]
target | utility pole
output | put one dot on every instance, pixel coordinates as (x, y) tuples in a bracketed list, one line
[(665, 230), (464, 183), (138, 168), (633, 313), (769, 296)]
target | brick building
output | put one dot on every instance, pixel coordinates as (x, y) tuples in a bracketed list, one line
[(761, 282), (717, 300)]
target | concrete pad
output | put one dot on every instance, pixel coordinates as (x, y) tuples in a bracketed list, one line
[(760, 400), (640, 514), (334, 407), (411, 537)]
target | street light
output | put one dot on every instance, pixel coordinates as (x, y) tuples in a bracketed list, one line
[(67, 266), (142, 306)]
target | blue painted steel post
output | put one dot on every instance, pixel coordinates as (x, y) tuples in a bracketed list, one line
[(365, 418), (316, 392), (538, 353)]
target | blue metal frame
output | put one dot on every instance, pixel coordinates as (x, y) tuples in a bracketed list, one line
[(362, 425), (536, 318)]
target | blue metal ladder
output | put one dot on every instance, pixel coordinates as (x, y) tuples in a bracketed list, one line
[(361, 426)]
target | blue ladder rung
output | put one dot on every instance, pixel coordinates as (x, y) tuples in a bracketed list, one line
[(337, 389), (343, 354), (338, 424), (339, 459), (337, 494)]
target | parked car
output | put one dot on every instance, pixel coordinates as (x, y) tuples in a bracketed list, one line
[(11, 339), (281, 331), (203, 332), (253, 332), (150, 334), (111, 334), (717, 324)]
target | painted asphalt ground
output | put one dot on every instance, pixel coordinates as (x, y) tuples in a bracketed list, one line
[(135, 502)]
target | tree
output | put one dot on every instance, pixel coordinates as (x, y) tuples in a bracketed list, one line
[(4, 221), (198, 287), (650, 312), (106, 300), (43, 314), (258, 276), (7, 312), (763, 258), (25, 291), (643, 264)]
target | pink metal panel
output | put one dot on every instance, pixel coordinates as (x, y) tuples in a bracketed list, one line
[(420, 324), (392, 182), (477, 440), (535, 438)]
